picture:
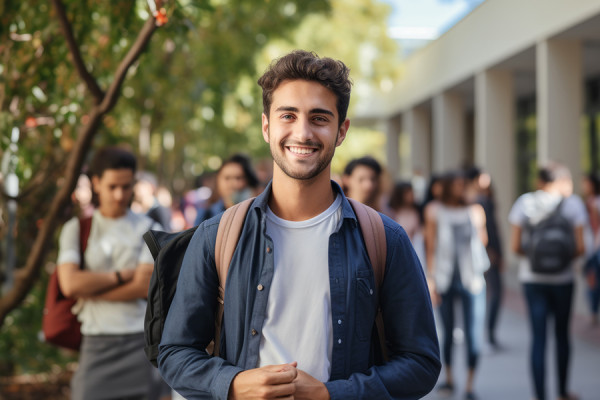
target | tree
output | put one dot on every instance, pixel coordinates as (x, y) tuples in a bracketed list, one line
[(60, 91), (186, 101), (102, 103)]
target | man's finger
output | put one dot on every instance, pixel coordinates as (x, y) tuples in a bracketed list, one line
[(284, 391), (282, 376)]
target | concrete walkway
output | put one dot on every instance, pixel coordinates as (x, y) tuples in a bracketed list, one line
[(505, 374)]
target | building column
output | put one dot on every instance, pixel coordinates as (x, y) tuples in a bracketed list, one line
[(559, 75), (393, 130), (495, 138), (448, 132), (416, 127)]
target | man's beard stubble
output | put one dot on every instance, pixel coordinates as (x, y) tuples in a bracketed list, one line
[(322, 161)]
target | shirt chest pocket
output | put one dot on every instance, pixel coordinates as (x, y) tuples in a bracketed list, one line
[(365, 304)]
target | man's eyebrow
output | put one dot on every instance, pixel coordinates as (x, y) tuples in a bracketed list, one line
[(287, 108), (313, 111), (321, 111)]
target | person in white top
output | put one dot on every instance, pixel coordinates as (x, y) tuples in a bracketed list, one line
[(591, 196), (455, 239), (112, 287), (548, 294)]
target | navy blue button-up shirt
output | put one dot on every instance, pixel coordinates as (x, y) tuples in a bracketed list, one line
[(410, 334)]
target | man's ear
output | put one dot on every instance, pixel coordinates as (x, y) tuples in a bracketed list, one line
[(265, 127), (342, 132)]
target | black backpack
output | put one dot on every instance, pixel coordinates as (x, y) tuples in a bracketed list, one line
[(168, 250), (551, 243)]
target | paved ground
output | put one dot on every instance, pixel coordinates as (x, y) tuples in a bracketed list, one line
[(504, 375)]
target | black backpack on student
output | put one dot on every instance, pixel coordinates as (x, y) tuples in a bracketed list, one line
[(168, 250), (551, 243)]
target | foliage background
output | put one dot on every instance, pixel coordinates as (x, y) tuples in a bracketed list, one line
[(188, 102)]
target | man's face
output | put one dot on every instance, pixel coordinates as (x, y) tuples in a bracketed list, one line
[(302, 128), (114, 189), (362, 184)]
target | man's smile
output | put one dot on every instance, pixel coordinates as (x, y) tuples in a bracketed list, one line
[(301, 150)]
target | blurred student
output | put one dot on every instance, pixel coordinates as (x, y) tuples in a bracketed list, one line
[(455, 239), (432, 195), (481, 192), (405, 211), (548, 294), (361, 181), (236, 181), (591, 195), (112, 286), (146, 198), (82, 197)]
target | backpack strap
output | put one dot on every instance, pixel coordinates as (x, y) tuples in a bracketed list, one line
[(373, 233), (228, 234)]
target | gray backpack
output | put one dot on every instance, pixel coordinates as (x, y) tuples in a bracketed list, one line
[(551, 243)]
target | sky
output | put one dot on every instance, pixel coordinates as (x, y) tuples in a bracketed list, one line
[(414, 22)]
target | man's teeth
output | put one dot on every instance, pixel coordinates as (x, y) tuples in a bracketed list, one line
[(301, 150)]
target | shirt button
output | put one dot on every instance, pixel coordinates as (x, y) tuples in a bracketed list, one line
[(253, 332), (269, 249), (339, 341), (371, 291), (339, 321), (260, 287)]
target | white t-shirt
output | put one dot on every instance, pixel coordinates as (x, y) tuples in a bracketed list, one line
[(535, 206), (298, 325), (114, 244)]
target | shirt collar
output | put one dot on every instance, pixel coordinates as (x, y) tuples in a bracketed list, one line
[(262, 200)]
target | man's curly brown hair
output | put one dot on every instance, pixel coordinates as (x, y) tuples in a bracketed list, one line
[(305, 65)]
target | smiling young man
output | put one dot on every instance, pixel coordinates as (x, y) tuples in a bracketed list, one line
[(301, 299)]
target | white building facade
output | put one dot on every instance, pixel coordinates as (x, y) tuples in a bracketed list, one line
[(514, 84)]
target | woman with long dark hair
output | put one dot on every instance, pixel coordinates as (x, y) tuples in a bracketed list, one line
[(455, 238)]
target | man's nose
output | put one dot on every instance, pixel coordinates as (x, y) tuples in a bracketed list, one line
[(303, 130)]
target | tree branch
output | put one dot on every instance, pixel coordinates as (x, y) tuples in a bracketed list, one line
[(29, 273), (47, 172), (67, 30), (112, 94)]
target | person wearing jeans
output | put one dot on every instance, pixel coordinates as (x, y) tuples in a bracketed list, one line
[(544, 300), (548, 294), (455, 238), (473, 308)]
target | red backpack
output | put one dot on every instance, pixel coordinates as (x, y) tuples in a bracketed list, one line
[(59, 324)]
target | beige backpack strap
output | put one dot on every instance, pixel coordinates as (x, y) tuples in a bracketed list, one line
[(373, 232), (228, 234)]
